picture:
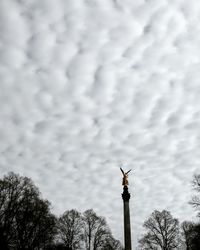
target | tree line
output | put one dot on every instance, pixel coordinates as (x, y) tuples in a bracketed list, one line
[(26, 222), (164, 232)]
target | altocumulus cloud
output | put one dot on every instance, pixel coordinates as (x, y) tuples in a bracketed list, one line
[(89, 85)]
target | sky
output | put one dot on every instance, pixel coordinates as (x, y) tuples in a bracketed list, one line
[(89, 86)]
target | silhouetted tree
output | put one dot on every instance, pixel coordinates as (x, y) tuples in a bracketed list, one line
[(187, 233), (27, 223), (70, 229), (162, 232), (56, 246), (195, 202), (87, 231), (191, 235), (25, 219), (191, 231), (112, 244), (96, 230)]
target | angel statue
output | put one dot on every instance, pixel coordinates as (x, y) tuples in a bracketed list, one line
[(125, 177)]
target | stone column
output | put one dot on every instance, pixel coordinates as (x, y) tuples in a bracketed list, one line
[(127, 224)]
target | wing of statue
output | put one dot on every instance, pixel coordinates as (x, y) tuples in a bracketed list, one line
[(128, 171), (122, 171)]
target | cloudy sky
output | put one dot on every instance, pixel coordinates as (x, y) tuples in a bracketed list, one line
[(87, 86)]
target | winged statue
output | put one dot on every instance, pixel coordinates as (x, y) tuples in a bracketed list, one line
[(125, 177)]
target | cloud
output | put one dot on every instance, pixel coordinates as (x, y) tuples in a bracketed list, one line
[(88, 86)]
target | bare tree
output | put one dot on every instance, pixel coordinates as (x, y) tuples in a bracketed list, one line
[(191, 235), (25, 218), (187, 229), (87, 231), (96, 230), (70, 229), (195, 202), (27, 223), (162, 232), (112, 244)]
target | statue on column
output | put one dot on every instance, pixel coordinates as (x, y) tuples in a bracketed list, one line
[(125, 177)]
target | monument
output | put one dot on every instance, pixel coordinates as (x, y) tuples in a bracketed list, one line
[(127, 224)]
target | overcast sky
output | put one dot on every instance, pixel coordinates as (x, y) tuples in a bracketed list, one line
[(87, 86)]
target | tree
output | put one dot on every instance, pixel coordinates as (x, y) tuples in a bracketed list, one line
[(112, 244), (56, 246), (87, 231), (191, 231), (191, 235), (25, 219), (70, 229), (162, 232), (96, 230), (195, 202), (187, 233)]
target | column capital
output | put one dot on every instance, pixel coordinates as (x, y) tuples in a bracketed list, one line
[(126, 195)]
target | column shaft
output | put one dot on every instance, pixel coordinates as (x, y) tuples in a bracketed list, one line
[(127, 226)]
